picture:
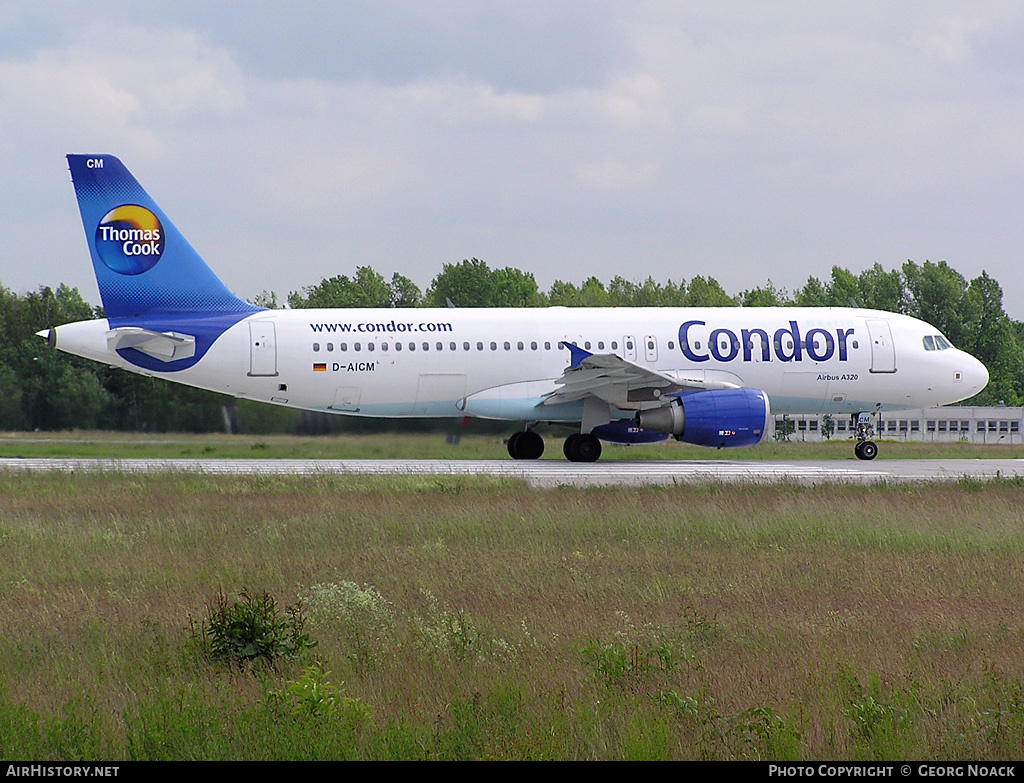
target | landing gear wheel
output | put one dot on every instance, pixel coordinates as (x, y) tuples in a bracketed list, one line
[(866, 449), (525, 445), (581, 447), (567, 446)]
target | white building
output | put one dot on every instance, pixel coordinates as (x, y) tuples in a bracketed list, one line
[(943, 425)]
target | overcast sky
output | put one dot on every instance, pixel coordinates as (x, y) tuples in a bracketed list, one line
[(291, 141)]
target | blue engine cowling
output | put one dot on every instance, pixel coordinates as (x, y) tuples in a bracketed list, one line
[(720, 418), (627, 431)]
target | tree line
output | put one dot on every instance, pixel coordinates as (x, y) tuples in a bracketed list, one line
[(48, 390)]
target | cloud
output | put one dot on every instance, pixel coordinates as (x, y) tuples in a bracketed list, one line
[(743, 140)]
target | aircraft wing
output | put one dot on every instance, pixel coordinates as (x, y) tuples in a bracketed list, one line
[(620, 382)]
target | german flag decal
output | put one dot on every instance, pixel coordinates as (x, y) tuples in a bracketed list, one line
[(319, 367)]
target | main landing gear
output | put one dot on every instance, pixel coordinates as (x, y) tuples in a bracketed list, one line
[(579, 447), (525, 444), (582, 447)]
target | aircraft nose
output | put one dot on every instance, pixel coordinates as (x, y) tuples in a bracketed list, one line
[(976, 375)]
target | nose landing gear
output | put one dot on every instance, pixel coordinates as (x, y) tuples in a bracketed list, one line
[(866, 449)]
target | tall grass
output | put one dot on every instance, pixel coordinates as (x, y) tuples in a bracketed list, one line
[(473, 618)]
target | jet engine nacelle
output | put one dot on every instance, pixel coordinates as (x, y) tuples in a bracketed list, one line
[(720, 418), (627, 431)]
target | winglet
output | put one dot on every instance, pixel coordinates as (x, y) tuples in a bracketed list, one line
[(577, 354)]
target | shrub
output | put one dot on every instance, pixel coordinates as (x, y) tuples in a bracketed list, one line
[(252, 630)]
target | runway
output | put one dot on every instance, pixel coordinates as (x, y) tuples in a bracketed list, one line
[(554, 473)]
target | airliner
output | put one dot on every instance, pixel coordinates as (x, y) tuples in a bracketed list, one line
[(707, 376)]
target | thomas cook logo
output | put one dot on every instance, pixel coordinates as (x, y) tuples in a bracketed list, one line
[(130, 239)]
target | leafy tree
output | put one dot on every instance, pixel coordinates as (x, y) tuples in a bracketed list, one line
[(591, 293), (468, 284), (649, 293), (765, 296), (813, 294), (403, 292), (937, 294), (512, 288), (707, 292), (474, 284), (367, 289), (881, 290), (267, 299)]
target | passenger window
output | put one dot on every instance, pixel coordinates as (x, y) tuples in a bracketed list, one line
[(330, 347), (316, 347), (357, 346)]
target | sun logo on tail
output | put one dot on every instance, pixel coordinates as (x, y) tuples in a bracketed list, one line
[(130, 239)]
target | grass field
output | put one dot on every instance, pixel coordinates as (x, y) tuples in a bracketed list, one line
[(470, 618)]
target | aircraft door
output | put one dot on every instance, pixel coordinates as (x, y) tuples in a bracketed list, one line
[(650, 348), (883, 352), (262, 348), (629, 348)]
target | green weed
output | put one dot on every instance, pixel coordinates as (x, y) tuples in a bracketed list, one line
[(252, 630)]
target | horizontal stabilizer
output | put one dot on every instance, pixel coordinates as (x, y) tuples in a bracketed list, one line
[(164, 346)]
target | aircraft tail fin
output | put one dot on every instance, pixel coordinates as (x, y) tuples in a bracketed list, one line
[(143, 265)]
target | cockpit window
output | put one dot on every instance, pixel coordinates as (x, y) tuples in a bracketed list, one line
[(936, 342)]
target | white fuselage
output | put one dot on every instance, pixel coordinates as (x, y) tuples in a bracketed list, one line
[(500, 363)]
